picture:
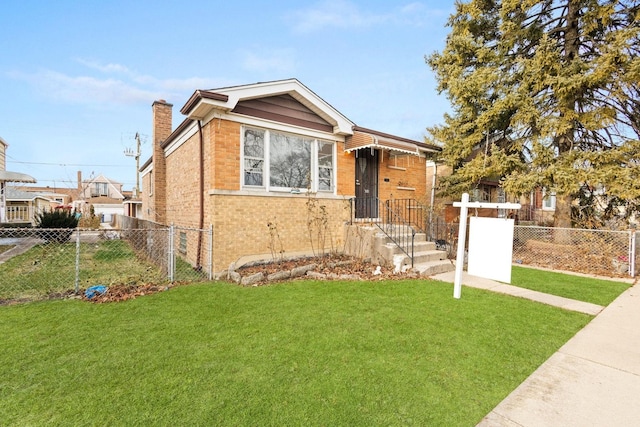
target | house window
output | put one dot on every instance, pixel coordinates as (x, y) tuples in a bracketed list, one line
[(279, 161), (253, 156), (548, 201), (183, 243), (100, 189), (325, 166), (289, 161)]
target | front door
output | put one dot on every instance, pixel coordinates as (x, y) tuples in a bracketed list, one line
[(367, 183)]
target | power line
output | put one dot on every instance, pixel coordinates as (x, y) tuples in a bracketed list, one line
[(65, 164)]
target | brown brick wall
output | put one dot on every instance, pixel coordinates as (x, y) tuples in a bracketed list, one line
[(147, 199), (162, 116), (240, 225), (225, 138), (401, 184), (346, 165), (183, 193)]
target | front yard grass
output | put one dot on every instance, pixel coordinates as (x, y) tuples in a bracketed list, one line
[(300, 353), (587, 289), (50, 268)]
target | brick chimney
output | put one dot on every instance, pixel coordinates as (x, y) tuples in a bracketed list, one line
[(162, 117)]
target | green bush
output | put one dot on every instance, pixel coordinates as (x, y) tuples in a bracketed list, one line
[(63, 220)]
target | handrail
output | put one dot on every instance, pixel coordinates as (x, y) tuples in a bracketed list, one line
[(412, 211), (388, 218), (397, 229)]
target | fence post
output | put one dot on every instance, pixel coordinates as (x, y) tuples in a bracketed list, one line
[(632, 253), (77, 283), (210, 251), (170, 255)]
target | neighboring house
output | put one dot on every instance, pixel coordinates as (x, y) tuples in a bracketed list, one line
[(537, 207), (264, 163), (132, 205), (58, 196), (24, 206), (105, 195), (7, 177)]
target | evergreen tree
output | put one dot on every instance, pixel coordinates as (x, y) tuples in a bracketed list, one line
[(544, 94)]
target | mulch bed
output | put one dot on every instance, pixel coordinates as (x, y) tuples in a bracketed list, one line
[(123, 292), (333, 267)]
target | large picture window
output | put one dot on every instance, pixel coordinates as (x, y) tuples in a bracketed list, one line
[(280, 161)]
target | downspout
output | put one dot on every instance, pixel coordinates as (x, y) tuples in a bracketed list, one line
[(201, 216), (433, 183), (433, 188)]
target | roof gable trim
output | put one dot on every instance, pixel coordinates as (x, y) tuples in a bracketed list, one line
[(202, 102)]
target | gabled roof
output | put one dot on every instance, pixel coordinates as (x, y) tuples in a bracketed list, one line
[(202, 102), (101, 178), (13, 194), (112, 184)]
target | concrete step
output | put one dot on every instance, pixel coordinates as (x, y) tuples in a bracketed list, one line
[(392, 249), (428, 256), (426, 269), (419, 237)]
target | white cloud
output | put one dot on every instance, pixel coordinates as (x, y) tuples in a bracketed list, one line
[(278, 60), (122, 86), (105, 68), (332, 13), (85, 89), (347, 15)]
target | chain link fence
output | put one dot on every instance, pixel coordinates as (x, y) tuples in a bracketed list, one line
[(52, 263), (601, 252)]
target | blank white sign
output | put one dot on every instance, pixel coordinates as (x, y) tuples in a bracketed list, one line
[(490, 248)]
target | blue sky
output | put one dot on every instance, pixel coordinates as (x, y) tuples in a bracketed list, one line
[(77, 78)]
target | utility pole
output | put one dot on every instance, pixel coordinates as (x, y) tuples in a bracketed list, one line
[(130, 153)]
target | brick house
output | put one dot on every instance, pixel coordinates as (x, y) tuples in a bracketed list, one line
[(255, 162)]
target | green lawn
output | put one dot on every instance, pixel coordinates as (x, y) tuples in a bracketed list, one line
[(50, 268), (596, 291), (303, 353)]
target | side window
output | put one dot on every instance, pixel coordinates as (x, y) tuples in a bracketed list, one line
[(182, 248), (325, 166), (253, 157), (549, 201)]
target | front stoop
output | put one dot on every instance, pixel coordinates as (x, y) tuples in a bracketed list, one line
[(427, 260)]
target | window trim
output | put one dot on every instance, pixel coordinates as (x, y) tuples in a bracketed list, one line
[(266, 170), (549, 197)]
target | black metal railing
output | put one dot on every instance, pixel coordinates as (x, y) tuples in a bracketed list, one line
[(388, 217), (411, 211)]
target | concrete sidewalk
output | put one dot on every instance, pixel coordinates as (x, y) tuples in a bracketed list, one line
[(491, 285), (20, 246), (593, 380)]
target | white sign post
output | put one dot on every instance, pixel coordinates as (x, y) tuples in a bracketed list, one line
[(464, 206)]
